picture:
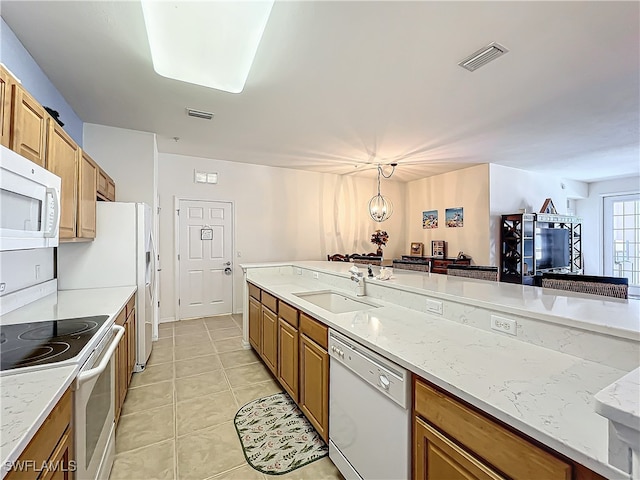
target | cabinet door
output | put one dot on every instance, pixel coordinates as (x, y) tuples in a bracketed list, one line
[(59, 460), (103, 181), (131, 360), (288, 358), (254, 324), (6, 89), (314, 385), (62, 159), (87, 188), (269, 339), (111, 190), (29, 129), (436, 457)]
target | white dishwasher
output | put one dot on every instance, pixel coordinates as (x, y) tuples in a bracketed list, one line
[(369, 414)]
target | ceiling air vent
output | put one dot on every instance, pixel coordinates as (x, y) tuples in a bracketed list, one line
[(483, 56), (199, 114)]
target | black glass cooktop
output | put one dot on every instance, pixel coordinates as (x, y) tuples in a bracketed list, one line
[(40, 343)]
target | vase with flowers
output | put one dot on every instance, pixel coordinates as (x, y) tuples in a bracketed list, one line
[(379, 238)]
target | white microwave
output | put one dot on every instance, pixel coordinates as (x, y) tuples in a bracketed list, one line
[(29, 203)]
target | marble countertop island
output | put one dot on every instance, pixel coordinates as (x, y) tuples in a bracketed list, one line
[(546, 394), (28, 396)]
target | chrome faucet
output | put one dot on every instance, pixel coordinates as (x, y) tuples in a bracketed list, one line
[(359, 279)]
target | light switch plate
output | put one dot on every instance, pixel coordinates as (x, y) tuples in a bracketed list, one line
[(315, 275), (504, 325), (434, 306)]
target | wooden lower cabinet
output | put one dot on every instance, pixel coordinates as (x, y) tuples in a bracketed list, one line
[(452, 438), (314, 384), (254, 323), (51, 446), (125, 355), (288, 357), (437, 458), (269, 338)]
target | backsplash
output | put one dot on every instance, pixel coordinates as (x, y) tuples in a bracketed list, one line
[(20, 269)]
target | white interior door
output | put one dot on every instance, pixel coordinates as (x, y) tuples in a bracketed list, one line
[(205, 258)]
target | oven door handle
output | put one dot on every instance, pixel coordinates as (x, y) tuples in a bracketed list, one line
[(93, 372)]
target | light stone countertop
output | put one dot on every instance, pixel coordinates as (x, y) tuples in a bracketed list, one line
[(27, 400), (607, 315), (620, 401), (543, 393), (29, 395)]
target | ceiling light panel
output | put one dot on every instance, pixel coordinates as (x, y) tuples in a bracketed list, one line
[(212, 43)]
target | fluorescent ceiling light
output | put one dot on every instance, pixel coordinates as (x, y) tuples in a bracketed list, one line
[(209, 43)]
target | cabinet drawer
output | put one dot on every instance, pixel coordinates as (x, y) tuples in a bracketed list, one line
[(482, 436), (315, 330), (270, 302), (254, 291), (288, 313), (131, 305)]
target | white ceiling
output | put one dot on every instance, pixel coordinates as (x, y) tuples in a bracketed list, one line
[(336, 86)]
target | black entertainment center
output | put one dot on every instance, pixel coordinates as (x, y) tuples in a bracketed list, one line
[(536, 243)]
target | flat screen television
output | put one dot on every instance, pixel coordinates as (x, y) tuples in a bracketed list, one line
[(552, 248)]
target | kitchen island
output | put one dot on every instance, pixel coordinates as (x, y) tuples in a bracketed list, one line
[(541, 382)]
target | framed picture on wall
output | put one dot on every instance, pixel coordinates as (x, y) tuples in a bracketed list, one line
[(454, 217), (416, 249), (438, 248), (430, 219)]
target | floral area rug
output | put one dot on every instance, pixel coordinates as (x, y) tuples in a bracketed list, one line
[(276, 437)]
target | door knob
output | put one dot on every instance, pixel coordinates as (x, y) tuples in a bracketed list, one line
[(227, 271)]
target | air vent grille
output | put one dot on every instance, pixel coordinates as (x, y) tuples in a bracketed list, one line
[(483, 56), (199, 114)]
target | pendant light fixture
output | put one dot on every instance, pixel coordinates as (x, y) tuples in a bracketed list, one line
[(381, 208)]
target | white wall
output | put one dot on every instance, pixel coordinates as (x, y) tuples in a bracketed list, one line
[(129, 157), (591, 210), (512, 189), (280, 214), (467, 188)]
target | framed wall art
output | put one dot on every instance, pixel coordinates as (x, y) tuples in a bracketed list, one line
[(430, 219), (454, 217), (417, 249)]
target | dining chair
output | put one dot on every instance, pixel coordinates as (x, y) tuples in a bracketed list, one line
[(478, 272), (616, 287)]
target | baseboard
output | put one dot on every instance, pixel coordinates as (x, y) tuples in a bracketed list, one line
[(167, 320)]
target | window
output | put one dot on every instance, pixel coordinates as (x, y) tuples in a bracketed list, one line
[(622, 238)]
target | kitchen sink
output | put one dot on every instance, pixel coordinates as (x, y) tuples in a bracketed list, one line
[(336, 302)]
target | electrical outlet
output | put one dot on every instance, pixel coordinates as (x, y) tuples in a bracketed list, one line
[(434, 307), (298, 271), (504, 325), (315, 275)]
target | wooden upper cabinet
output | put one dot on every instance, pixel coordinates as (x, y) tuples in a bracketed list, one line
[(106, 187), (87, 187), (6, 89), (63, 156), (29, 126)]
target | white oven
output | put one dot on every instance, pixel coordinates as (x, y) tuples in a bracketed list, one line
[(95, 410), (30, 199)]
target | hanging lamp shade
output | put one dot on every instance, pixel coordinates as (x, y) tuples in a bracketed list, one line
[(381, 208)]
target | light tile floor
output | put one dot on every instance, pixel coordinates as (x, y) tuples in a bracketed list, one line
[(177, 420)]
